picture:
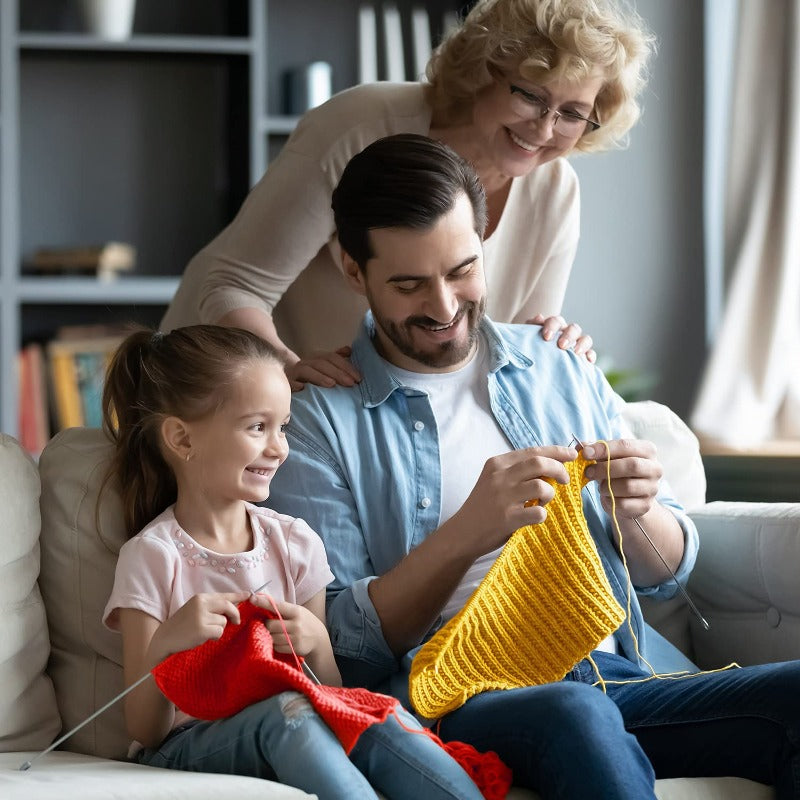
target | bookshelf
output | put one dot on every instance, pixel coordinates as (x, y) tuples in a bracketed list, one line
[(153, 140)]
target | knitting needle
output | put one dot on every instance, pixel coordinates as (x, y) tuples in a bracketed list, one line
[(263, 586), (311, 673), (302, 663), (57, 742), (27, 764), (695, 609)]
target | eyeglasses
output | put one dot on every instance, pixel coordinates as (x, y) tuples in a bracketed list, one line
[(530, 106)]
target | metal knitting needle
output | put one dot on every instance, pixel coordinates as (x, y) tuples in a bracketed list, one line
[(27, 764), (695, 609), (57, 742), (263, 586), (311, 673)]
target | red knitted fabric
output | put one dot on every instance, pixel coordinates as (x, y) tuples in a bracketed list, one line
[(221, 677)]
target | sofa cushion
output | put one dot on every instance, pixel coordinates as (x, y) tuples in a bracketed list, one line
[(80, 542), (71, 776), (28, 712), (742, 584)]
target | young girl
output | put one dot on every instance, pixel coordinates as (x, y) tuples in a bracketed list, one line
[(197, 416)]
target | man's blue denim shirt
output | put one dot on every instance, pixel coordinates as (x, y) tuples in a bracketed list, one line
[(364, 472)]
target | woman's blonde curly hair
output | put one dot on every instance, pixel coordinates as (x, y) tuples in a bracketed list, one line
[(544, 40)]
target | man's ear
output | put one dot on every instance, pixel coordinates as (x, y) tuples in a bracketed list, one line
[(353, 274), (177, 438)]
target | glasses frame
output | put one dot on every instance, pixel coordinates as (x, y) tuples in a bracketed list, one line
[(536, 100)]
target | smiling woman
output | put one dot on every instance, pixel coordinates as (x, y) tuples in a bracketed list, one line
[(569, 61)]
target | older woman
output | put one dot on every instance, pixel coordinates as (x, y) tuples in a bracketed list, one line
[(519, 85)]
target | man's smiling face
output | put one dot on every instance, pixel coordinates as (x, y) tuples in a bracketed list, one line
[(427, 291)]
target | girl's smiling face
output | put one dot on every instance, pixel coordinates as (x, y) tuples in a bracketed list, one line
[(238, 447)]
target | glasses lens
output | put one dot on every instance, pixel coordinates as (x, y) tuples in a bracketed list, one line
[(527, 106), (530, 106), (569, 125)]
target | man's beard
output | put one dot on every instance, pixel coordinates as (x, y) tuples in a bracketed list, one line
[(444, 354)]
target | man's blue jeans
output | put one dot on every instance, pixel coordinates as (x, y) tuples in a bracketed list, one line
[(284, 739), (570, 740)]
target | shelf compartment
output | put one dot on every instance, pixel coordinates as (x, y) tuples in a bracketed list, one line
[(89, 123), (38, 323)]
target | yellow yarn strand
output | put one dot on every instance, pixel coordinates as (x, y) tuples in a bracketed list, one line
[(680, 675), (624, 558)]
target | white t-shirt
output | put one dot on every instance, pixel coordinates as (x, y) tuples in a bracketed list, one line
[(461, 407), (460, 404)]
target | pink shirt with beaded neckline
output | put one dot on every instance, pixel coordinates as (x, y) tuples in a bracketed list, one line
[(162, 567)]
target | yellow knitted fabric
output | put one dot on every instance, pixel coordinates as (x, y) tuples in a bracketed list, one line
[(545, 604)]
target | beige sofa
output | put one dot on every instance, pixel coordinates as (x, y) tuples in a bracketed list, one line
[(58, 664)]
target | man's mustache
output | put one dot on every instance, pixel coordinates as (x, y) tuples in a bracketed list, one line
[(427, 322)]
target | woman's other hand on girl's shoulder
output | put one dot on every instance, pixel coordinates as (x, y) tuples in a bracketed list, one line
[(569, 335), (323, 369)]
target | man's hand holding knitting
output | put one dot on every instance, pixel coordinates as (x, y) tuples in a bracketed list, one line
[(513, 490), (634, 471), (410, 596)]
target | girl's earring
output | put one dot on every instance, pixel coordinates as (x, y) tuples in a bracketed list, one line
[(188, 456)]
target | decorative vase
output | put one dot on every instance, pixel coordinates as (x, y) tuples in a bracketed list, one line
[(109, 19)]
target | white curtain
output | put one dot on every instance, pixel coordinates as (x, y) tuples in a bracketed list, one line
[(750, 392)]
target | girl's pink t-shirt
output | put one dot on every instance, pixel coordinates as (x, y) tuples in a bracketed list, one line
[(162, 566)]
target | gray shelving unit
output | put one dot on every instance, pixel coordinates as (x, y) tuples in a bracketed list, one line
[(154, 140)]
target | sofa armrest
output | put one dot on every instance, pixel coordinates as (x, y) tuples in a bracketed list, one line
[(745, 583)]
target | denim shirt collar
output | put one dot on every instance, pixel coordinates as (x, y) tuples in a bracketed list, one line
[(378, 383)]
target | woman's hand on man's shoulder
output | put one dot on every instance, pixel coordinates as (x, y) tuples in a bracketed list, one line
[(567, 335), (323, 369)]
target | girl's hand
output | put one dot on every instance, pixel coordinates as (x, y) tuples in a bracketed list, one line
[(323, 369), (203, 617), (306, 631), (570, 335), (635, 474)]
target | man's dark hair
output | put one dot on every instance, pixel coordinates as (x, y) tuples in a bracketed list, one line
[(401, 181)]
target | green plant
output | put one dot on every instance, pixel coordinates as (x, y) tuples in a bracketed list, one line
[(630, 384)]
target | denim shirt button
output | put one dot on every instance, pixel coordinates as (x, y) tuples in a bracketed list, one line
[(425, 502), (418, 425)]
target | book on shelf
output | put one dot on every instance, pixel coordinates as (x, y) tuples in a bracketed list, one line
[(420, 41), (33, 406), (78, 359), (367, 44), (393, 44), (105, 262)]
